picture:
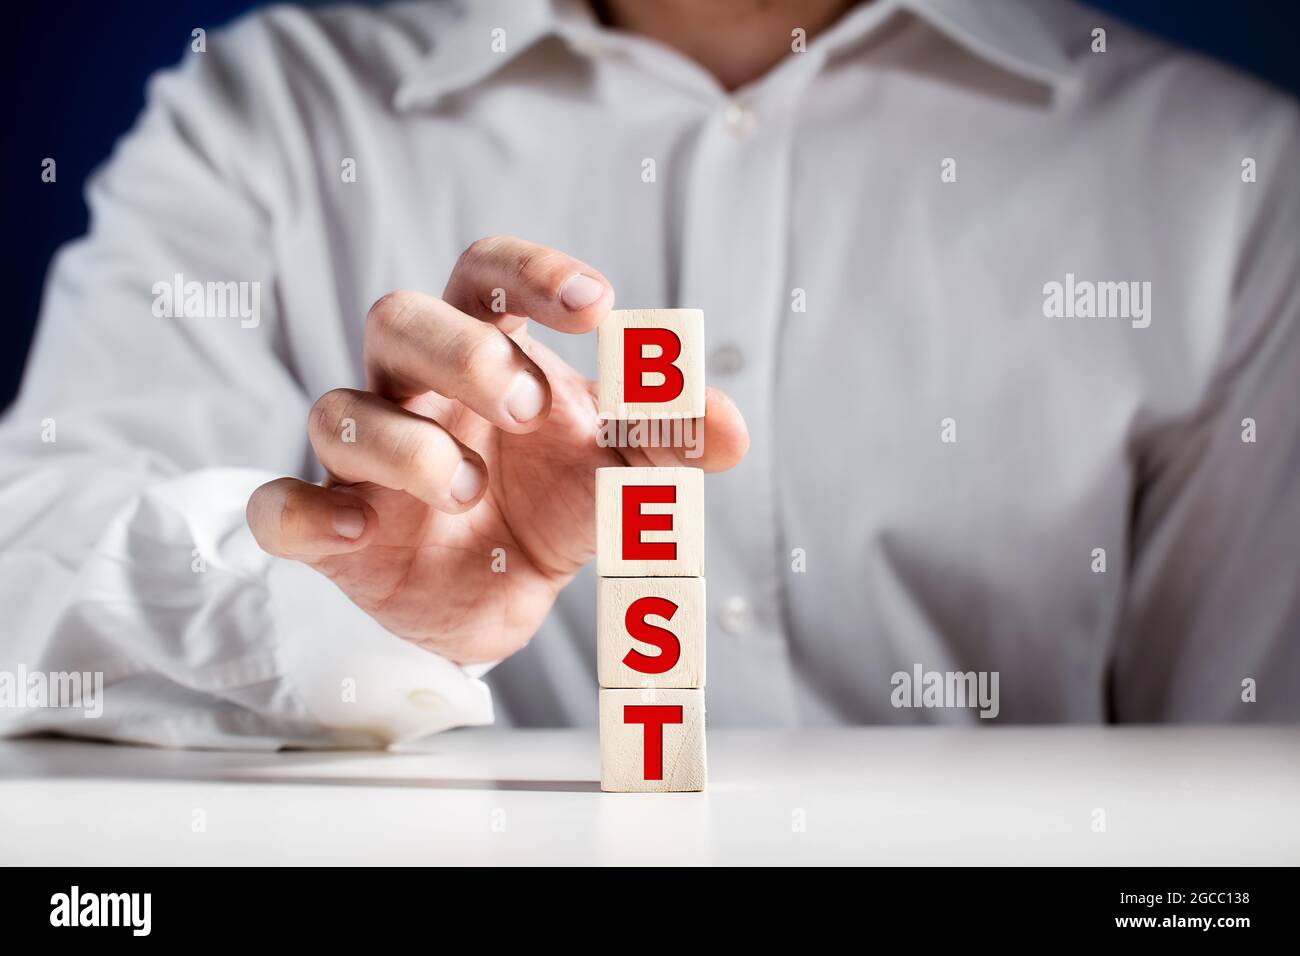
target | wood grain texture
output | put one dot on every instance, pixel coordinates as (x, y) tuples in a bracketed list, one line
[(623, 742), (614, 596), (688, 326), (687, 512)]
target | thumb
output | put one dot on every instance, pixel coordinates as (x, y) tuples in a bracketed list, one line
[(294, 519)]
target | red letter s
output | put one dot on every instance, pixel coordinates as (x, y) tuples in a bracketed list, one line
[(670, 649)]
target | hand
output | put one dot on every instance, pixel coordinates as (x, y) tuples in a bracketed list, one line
[(470, 437)]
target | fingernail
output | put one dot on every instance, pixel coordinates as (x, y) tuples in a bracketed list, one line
[(526, 398), (579, 291), (467, 481), (349, 522)]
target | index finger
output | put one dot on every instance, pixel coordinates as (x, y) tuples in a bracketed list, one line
[(503, 275)]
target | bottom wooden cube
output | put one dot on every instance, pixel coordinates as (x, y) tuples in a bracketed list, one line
[(651, 741)]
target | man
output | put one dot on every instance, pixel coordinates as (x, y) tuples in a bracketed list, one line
[(1008, 295)]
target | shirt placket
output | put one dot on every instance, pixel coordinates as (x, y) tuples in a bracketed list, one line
[(734, 265)]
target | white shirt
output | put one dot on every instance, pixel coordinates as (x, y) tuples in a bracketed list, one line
[(863, 306)]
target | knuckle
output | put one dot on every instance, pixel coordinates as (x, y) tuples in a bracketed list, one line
[(525, 263), (255, 512), (480, 250), (330, 411), (389, 310), (483, 345), (521, 259), (538, 265), (545, 271), (295, 514), (276, 513), (416, 453)]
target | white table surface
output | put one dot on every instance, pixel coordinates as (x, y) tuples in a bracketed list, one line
[(872, 795)]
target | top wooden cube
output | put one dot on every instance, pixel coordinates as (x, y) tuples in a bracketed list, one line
[(650, 364)]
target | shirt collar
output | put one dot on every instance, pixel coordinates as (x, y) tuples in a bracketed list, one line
[(463, 37), (1031, 38), (1024, 37)]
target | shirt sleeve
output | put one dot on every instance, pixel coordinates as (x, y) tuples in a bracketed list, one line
[(1211, 625), (127, 461)]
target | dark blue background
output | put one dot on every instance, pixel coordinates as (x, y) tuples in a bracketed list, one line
[(75, 74)]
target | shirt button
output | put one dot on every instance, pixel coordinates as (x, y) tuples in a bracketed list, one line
[(740, 119), (726, 360), (735, 616), (425, 699), (589, 47)]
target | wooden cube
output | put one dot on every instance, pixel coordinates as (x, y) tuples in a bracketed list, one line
[(652, 741), (650, 364), (650, 632), (649, 522)]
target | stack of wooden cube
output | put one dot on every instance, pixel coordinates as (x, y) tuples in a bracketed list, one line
[(650, 559)]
